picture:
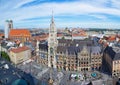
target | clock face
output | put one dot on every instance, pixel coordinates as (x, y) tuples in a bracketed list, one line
[(51, 34), (51, 50)]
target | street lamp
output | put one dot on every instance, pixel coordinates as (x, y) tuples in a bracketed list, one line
[(50, 81)]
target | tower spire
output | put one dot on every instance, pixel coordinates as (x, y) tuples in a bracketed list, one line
[(52, 17), (52, 44), (52, 12)]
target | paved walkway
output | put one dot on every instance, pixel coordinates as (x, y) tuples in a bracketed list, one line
[(62, 78)]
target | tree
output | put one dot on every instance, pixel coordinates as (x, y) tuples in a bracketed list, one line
[(5, 55), (63, 37)]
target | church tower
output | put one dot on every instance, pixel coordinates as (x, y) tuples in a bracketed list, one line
[(52, 44), (8, 27)]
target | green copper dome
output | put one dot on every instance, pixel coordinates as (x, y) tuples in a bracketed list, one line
[(19, 82), (7, 20)]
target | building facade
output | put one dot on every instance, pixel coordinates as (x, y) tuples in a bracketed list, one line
[(96, 58), (68, 54), (20, 54), (116, 68), (84, 63), (72, 56), (111, 58)]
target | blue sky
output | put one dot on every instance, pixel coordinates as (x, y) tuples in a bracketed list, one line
[(67, 13)]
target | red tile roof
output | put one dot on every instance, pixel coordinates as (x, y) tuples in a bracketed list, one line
[(112, 38), (19, 32), (19, 49), (59, 35), (79, 34), (1, 34), (41, 37)]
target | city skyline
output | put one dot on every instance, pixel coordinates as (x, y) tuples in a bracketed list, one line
[(67, 13)]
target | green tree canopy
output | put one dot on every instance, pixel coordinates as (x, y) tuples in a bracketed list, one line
[(5, 55)]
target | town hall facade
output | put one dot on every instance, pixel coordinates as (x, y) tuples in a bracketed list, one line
[(68, 54)]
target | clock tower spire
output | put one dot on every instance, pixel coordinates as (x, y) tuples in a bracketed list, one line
[(52, 44)]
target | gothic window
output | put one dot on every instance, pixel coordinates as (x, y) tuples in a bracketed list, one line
[(57, 57), (52, 28), (81, 58)]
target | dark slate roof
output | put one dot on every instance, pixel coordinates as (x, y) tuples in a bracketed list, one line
[(30, 45), (96, 40), (7, 76), (69, 42), (110, 52), (62, 49), (43, 47), (95, 49), (117, 56), (72, 50), (77, 50), (4, 45), (72, 47), (64, 40), (114, 53), (83, 42)]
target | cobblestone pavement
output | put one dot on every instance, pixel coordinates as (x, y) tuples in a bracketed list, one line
[(62, 77), (36, 70)]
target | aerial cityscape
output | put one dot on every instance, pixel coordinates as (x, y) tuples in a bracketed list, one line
[(59, 42)]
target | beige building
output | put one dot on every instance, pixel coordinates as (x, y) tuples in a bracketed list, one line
[(43, 53), (96, 58), (111, 58), (84, 60), (72, 56), (20, 54), (116, 68)]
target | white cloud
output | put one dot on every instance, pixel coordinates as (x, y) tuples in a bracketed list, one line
[(22, 2), (116, 3), (102, 17), (94, 7)]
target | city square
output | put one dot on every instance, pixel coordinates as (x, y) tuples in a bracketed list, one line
[(59, 42), (43, 73)]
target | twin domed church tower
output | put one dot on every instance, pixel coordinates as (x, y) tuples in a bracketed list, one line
[(52, 44)]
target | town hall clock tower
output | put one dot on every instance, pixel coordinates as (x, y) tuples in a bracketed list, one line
[(52, 44)]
